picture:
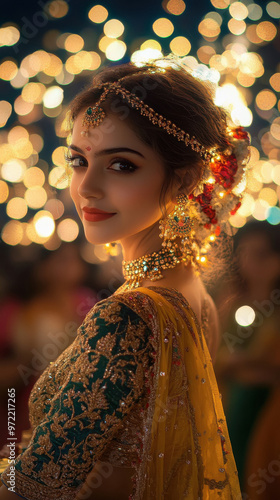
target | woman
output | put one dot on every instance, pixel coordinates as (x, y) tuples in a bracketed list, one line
[(132, 409)]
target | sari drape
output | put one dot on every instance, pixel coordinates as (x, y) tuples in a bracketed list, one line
[(187, 453)]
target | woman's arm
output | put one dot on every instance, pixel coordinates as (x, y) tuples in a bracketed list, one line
[(103, 380)]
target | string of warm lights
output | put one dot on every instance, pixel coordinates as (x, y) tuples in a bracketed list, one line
[(231, 37)]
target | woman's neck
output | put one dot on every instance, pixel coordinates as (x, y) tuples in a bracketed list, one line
[(176, 277), (140, 244)]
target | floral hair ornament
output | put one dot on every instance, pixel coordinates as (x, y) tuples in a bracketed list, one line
[(219, 193)]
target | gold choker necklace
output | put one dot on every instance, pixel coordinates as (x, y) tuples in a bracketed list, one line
[(150, 266)]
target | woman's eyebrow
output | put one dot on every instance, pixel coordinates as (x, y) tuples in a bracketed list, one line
[(107, 151)]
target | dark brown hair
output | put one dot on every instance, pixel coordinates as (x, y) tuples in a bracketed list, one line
[(178, 97)]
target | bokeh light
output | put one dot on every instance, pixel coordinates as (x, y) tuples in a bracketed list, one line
[(273, 9), (12, 233), (98, 14), (266, 31), (220, 4), (113, 28), (180, 46), (44, 224), (58, 8), (34, 176), (175, 7), (16, 208), (68, 230), (4, 191), (53, 97), (13, 170), (8, 70), (238, 11), (151, 44), (58, 178), (9, 35), (255, 11), (115, 50), (163, 27), (33, 92), (245, 316), (55, 207), (275, 81), (5, 112), (74, 43), (209, 28), (266, 99), (35, 197)]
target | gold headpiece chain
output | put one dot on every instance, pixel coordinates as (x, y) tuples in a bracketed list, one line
[(94, 115)]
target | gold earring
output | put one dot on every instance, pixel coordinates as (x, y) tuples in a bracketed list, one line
[(177, 223)]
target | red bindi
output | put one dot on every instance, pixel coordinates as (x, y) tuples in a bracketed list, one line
[(88, 148)]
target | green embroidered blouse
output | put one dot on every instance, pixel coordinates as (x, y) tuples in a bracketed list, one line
[(81, 402)]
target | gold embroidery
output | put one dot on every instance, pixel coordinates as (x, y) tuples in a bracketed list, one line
[(82, 399), (98, 401)]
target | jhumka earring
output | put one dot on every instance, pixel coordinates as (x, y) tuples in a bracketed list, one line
[(177, 223)]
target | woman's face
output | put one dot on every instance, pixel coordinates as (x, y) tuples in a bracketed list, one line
[(114, 171)]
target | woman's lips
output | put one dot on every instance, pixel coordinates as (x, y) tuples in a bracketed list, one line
[(94, 216)]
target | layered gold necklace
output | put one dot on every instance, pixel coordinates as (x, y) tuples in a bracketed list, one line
[(150, 266)]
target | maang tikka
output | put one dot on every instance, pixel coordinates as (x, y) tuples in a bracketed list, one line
[(177, 224)]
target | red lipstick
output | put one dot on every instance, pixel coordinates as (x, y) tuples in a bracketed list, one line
[(94, 214)]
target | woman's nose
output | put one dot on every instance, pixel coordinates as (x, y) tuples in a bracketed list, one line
[(91, 184)]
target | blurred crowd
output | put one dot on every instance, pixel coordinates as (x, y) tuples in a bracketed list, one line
[(248, 362), (45, 297)]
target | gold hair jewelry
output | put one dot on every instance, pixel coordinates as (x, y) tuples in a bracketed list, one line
[(177, 223), (150, 266), (94, 115)]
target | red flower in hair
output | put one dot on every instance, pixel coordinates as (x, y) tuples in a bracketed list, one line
[(209, 212), (240, 133), (233, 212), (224, 170), (205, 197)]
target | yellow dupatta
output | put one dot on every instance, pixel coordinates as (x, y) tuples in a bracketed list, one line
[(187, 453)]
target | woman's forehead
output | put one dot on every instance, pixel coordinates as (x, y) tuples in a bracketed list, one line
[(112, 132)]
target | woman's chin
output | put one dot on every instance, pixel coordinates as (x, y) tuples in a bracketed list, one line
[(99, 240)]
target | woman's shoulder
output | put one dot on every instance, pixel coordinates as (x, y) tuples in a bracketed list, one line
[(134, 300), (121, 308)]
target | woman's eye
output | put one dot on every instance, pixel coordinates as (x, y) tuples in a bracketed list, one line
[(76, 161), (123, 166)]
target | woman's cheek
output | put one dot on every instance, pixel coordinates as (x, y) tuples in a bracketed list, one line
[(74, 192)]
